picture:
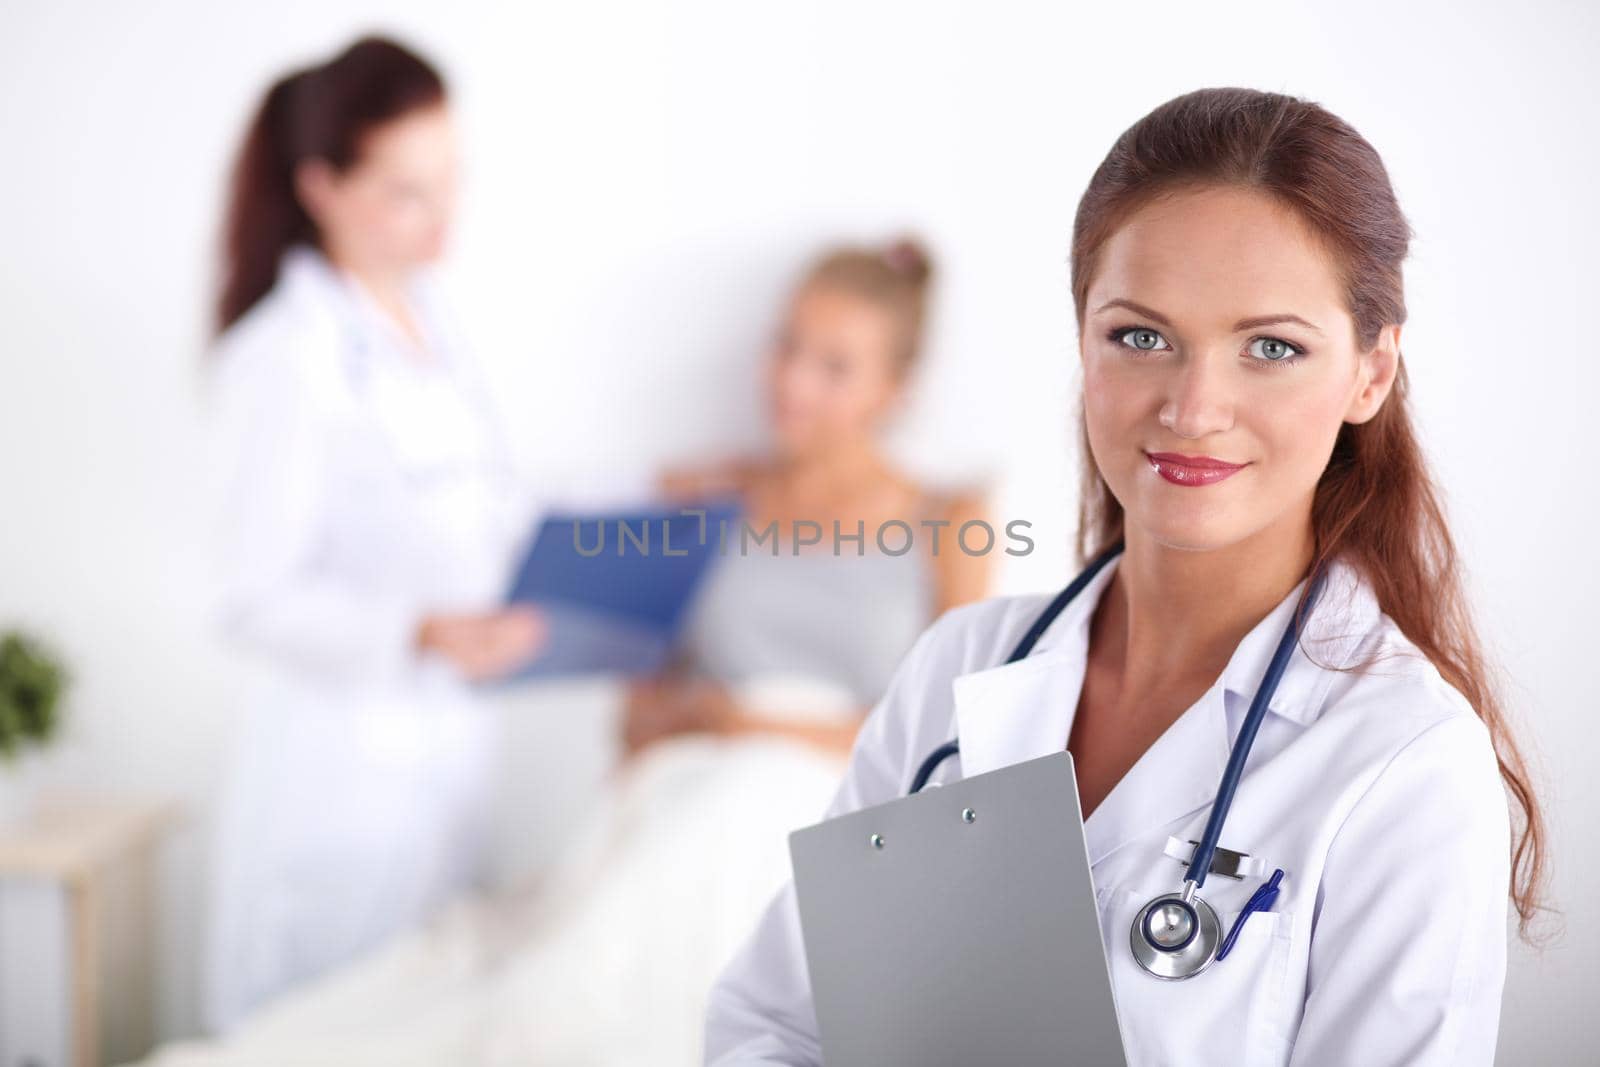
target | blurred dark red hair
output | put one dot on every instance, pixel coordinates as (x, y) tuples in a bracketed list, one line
[(321, 112)]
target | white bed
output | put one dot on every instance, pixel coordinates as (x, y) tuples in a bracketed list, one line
[(605, 961)]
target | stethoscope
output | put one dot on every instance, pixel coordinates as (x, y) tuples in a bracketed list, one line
[(1177, 935)]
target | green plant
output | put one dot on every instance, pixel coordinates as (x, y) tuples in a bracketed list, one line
[(31, 683)]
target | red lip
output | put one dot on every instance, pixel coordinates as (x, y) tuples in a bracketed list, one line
[(1180, 469), (1203, 462)]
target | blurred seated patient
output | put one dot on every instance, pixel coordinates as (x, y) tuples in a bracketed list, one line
[(794, 639), (609, 959)]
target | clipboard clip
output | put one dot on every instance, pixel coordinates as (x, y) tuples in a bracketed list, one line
[(1225, 861)]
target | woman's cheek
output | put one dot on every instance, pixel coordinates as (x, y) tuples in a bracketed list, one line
[(1098, 380), (1303, 439), (1113, 410)]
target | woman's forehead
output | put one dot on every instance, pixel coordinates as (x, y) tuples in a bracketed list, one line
[(1218, 254)]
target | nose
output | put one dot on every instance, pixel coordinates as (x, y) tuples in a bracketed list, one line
[(1198, 400)]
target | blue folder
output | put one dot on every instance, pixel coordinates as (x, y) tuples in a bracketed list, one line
[(615, 586)]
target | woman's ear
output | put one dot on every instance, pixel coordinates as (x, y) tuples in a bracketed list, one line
[(1378, 370), (314, 187)]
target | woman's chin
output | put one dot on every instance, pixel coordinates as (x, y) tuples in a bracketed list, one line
[(798, 442), (1184, 530)]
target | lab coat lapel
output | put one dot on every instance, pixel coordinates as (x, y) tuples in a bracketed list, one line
[(1018, 711)]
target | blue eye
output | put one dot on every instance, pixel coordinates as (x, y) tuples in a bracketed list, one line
[(1140, 337), (1273, 350)]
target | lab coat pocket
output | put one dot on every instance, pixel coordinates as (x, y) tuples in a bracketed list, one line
[(1232, 1012)]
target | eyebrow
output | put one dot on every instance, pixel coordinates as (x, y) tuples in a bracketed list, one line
[(1242, 324)]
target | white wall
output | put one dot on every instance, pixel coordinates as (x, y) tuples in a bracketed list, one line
[(643, 181)]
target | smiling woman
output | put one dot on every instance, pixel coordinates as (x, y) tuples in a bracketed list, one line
[(1236, 278), (1225, 202)]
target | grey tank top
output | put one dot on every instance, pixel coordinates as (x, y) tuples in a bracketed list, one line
[(843, 619)]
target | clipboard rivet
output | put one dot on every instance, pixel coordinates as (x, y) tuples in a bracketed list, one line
[(967, 815), (877, 840)]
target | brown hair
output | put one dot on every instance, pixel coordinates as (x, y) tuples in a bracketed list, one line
[(321, 112), (1376, 505), (895, 277)]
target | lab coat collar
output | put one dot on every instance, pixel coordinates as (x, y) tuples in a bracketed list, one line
[(1018, 711), (1342, 618), (369, 331), (304, 267)]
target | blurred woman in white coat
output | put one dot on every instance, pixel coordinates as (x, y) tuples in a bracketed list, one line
[(1236, 277), (367, 517)]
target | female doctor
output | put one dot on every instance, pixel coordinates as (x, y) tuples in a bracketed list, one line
[(367, 517), (1236, 273)]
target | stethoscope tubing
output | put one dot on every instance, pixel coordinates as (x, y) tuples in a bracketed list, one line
[(1200, 862), (1168, 960)]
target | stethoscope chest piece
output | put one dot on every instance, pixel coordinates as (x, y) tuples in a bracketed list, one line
[(1175, 936)]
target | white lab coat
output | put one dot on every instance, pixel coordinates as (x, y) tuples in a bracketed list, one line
[(1377, 792), (358, 487)]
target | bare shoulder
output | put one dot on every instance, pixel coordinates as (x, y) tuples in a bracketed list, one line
[(730, 475), (951, 503), (964, 555), (963, 503)]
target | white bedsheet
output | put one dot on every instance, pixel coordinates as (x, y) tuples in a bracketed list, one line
[(607, 962)]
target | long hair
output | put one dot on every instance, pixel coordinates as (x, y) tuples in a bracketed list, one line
[(1376, 505), (321, 112)]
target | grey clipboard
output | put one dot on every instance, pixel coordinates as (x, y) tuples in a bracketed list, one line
[(960, 939)]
